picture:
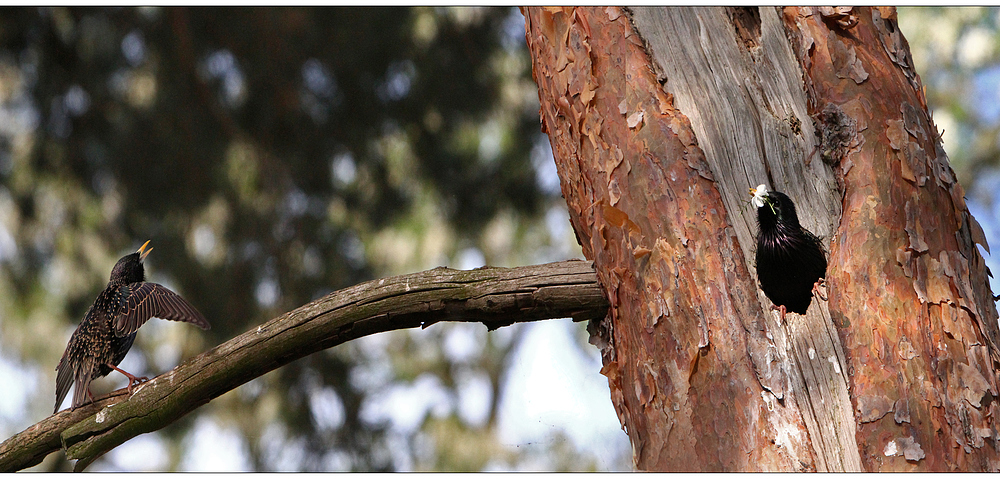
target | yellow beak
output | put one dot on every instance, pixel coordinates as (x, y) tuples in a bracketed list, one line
[(143, 252)]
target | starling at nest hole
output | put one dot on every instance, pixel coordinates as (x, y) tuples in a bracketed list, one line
[(790, 260), (107, 331)]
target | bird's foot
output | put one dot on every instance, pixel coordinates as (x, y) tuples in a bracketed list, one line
[(780, 309), (132, 380), (816, 289)]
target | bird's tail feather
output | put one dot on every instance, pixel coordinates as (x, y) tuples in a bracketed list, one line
[(80, 388), (64, 379)]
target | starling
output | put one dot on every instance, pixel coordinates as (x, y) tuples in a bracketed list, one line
[(107, 331), (790, 260)]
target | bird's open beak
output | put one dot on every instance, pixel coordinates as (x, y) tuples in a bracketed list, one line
[(143, 252)]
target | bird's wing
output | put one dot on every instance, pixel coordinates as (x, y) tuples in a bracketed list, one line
[(141, 301)]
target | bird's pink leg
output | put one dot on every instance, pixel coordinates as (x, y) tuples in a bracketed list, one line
[(90, 396), (132, 380), (781, 309), (816, 291)]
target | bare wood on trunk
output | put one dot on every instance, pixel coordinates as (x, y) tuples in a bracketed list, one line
[(494, 296), (751, 117), (685, 316), (701, 377)]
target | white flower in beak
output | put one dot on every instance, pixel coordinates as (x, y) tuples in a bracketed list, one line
[(758, 196)]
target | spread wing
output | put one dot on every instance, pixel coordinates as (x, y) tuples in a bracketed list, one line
[(141, 301)]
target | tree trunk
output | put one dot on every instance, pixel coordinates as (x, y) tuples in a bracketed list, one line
[(660, 119)]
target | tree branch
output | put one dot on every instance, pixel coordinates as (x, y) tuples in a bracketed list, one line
[(494, 296)]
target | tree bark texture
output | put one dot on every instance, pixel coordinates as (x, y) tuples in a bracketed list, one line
[(914, 307), (494, 296), (660, 120)]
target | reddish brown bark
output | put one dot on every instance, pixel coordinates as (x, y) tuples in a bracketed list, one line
[(687, 347), (645, 209), (918, 318)]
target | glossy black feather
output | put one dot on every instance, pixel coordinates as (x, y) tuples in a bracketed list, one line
[(141, 301), (108, 329), (790, 259)]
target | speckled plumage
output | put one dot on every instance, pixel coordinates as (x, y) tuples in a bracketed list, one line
[(107, 331), (790, 259)]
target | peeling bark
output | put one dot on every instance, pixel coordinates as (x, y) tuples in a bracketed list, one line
[(659, 120), (919, 323), (647, 211)]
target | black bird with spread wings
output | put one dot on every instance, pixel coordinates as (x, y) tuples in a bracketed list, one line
[(107, 331)]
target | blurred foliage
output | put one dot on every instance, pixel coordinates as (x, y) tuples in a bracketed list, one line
[(956, 51), (273, 155)]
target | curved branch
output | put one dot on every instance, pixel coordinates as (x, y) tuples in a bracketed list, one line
[(494, 296)]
